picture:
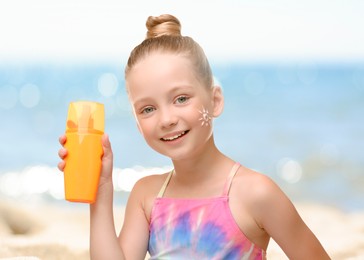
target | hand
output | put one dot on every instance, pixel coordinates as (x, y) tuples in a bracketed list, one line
[(107, 157)]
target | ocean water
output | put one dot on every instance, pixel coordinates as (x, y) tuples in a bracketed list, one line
[(300, 124)]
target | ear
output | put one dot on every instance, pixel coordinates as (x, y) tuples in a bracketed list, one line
[(218, 101)]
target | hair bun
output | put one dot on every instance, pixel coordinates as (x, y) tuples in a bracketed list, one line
[(164, 24)]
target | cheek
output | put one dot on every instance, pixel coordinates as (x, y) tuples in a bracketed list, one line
[(202, 116), (143, 127), (205, 117), (192, 115)]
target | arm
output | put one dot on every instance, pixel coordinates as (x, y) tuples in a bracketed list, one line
[(280, 219), (103, 240), (134, 235), (133, 240), (104, 243)]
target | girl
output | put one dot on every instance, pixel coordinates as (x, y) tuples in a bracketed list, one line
[(209, 206)]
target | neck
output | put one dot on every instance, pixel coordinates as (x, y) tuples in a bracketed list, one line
[(202, 164)]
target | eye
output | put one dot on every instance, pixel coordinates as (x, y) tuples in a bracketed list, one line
[(181, 99), (147, 110)]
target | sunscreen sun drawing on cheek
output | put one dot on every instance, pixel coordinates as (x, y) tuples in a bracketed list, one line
[(205, 117)]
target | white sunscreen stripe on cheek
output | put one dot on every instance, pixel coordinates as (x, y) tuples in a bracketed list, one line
[(205, 117)]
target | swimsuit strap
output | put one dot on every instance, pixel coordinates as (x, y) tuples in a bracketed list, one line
[(229, 180), (227, 186), (163, 189)]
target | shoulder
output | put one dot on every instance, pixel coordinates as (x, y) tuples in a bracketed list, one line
[(273, 212), (258, 185), (150, 184), (146, 190), (259, 193)]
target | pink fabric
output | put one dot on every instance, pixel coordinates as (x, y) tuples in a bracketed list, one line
[(198, 229)]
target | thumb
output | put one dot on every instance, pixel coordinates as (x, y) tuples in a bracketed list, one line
[(106, 146), (107, 158)]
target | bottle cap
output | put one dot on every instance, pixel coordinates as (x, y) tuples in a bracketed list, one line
[(85, 117)]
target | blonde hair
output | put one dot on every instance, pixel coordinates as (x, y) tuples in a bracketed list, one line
[(164, 35)]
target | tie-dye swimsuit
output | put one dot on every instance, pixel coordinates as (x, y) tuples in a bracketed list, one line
[(198, 228)]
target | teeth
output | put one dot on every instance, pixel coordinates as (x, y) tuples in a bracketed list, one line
[(174, 137)]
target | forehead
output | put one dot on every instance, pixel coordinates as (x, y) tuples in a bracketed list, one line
[(160, 71), (159, 65)]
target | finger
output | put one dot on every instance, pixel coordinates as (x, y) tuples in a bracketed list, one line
[(62, 139), (62, 153), (61, 165)]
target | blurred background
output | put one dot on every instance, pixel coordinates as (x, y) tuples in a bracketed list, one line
[(292, 75)]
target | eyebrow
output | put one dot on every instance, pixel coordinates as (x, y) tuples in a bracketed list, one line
[(171, 91), (181, 87), (140, 101)]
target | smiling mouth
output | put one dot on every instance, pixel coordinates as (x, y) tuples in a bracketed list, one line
[(172, 138)]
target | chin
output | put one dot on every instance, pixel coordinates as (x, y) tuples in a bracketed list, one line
[(176, 156)]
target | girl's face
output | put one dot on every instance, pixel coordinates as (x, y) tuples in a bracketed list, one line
[(172, 108)]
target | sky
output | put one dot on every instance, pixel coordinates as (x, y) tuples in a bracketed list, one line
[(250, 31)]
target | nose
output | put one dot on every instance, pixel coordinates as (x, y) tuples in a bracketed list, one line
[(168, 118)]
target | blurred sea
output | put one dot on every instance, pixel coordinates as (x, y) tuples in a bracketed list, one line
[(300, 124)]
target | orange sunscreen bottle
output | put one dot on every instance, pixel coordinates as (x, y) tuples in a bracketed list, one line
[(84, 129)]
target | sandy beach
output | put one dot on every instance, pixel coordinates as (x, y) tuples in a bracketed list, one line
[(51, 232)]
